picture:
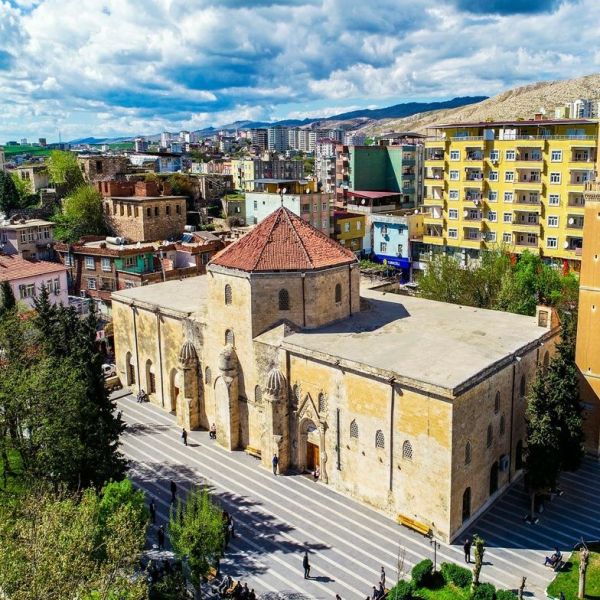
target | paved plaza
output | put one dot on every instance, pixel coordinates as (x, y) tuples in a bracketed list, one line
[(277, 518)]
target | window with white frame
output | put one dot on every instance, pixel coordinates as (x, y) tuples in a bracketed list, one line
[(454, 175), (494, 154), (453, 194), (382, 247), (552, 242), (453, 234), (130, 261), (454, 154), (509, 176), (91, 283), (510, 155), (554, 200), (57, 286), (24, 236), (556, 156), (26, 291), (493, 196), (490, 236), (346, 227), (554, 177), (493, 176), (453, 213), (507, 238), (507, 217), (492, 216), (552, 221), (358, 225), (105, 264), (90, 264), (68, 260), (508, 197)]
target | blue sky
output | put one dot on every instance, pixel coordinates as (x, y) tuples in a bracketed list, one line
[(111, 67)]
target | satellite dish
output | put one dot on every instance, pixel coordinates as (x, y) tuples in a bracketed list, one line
[(571, 221), (307, 191), (284, 191), (466, 213), (416, 212), (566, 245), (363, 201)]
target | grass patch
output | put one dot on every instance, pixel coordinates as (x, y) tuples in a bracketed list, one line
[(10, 151), (11, 478), (447, 591), (567, 581)]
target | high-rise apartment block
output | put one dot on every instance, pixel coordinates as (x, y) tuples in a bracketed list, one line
[(513, 183)]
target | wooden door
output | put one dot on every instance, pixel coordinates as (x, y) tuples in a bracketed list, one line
[(312, 456)]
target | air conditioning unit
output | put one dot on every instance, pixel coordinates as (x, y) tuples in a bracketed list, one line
[(503, 463), (189, 228)]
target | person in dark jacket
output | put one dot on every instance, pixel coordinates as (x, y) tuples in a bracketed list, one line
[(160, 534), (306, 565)]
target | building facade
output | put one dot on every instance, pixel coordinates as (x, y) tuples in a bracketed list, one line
[(516, 184), (102, 168), (31, 239), (349, 230), (35, 175), (246, 171), (277, 347)]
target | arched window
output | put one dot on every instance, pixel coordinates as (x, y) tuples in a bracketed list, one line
[(522, 387), (519, 455), (468, 453), (490, 435), (229, 339), (284, 300), (502, 425), (322, 403), (207, 376), (497, 403), (379, 439), (338, 292), (546, 362), (257, 394), (228, 295), (354, 430), (407, 450), (150, 378), (466, 505), (130, 369), (295, 396)]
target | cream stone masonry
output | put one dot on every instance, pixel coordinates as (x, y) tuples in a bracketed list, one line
[(412, 406)]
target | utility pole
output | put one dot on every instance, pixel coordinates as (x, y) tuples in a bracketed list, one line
[(436, 546)]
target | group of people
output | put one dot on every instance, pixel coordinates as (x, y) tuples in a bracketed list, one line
[(142, 396), (379, 590), (237, 591)]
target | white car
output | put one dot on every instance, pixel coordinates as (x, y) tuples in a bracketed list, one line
[(109, 370)]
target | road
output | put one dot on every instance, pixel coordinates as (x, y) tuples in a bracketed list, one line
[(277, 518)]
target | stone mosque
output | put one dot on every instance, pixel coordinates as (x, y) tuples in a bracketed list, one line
[(412, 406)]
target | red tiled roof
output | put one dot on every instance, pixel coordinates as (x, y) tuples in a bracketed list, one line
[(14, 267), (283, 242)]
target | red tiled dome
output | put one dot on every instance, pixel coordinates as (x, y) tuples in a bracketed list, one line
[(283, 242)]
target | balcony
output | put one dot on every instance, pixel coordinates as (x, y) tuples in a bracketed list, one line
[(529, 240), (474, 155), (579, 178), (576, 201), (584, 156), (473, 215), (530, 156), (525, 221), (433, 201), (434, 154), (474, 196), (528, 202), (574, 221), (435, 175)]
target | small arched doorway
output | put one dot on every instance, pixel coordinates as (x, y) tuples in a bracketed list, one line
[(150, 378), (466, 505), (309, 447), (494, 478), (519, 455), (174, 389), (129, 370)]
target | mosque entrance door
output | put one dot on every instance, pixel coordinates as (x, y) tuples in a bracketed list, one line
[(312, 456)]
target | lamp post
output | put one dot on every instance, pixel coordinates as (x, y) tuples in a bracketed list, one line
[(435, 545)]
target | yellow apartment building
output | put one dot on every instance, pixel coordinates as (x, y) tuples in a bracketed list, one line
[(513, 183), (349, 230)]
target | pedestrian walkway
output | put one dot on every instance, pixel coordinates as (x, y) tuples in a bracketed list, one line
[(277, 518)]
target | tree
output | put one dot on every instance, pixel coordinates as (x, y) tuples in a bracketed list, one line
[(554, 421), (64, 170), (7, 297), (81, 215), (196, 533), (446, 281), (9, 195), (25, 191), (49, 548), (181, 185), (479, 551)]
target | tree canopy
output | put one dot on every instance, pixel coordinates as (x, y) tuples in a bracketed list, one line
[(81, 215), (9, 195), (500, 283), (64, 170)]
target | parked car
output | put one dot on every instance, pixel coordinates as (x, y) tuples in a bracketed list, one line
[(109, 370)]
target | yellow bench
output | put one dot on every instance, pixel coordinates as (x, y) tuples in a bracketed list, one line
[(253, 452), (212, 573), (414, 525)]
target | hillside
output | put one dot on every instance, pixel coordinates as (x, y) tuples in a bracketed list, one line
[(521, 102)]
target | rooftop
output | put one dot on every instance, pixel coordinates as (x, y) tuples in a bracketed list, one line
[(517, 123), (372, 195), (179, 295), (283, 242), (444, 346), (23, 223), (13, 267)]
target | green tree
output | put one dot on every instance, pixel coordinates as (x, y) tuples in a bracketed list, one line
[(64, 170), (196, 533), (181, 185), (116, 494), (81, 215), (7, 297), (446, 281), (9, 195), (25, 191), (479, 550), (49, 549), (554, 420)]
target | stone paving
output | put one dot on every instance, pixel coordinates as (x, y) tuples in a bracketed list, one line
[(277, 518)]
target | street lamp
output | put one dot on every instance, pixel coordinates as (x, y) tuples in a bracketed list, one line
[(436, 546)]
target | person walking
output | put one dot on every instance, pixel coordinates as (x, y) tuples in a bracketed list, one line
[(275, 462), (173, 491), (152, 510), (306, 565), (184, 436), (467, 549), (382, 577), (160, 534), (338, 597)]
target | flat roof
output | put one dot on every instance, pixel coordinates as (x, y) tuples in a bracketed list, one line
[(516, 123), (372, 195), (271, 180), (445, 346), (179, 295), (27, 223), (143, 198)]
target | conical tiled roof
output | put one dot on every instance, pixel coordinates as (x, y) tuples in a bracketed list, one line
[(283, 242)]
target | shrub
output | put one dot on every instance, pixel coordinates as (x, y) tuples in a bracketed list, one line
[(403, 590), (484, 591), (456, 574), (504, 595), (421, 573)]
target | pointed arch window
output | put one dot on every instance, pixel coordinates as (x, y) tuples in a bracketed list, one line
[(284, 300), (207, 376), (257, 394), (228, 294), (379, 439), (407, 451), (229, 339), (322, 403), (338, 292), (354, 429), (468, 453)]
